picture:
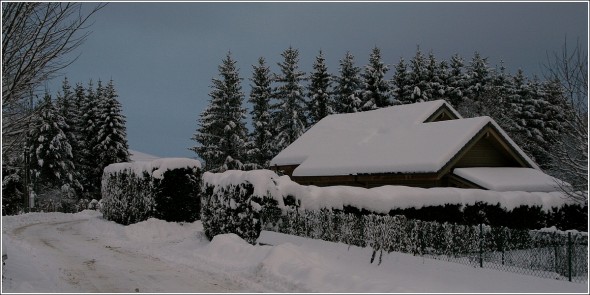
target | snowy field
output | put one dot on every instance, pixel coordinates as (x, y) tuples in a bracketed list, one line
[(56, 252)]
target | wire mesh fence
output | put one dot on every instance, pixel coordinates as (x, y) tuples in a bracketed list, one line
[(548, 254), (555, 255)]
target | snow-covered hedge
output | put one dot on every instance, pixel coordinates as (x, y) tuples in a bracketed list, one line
[(256, 199), (166, 188), (232, 204)]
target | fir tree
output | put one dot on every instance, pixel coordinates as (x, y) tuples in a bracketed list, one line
[(50, 152), (401, 87), (456, 82), (419, 78), (289, 116), (222, 133), (320, 97), (347, 89), (436, 73), (111, 144), (261, 149), (375, 87), (67, 107), (554, 113), (478, 78), (91, 172)]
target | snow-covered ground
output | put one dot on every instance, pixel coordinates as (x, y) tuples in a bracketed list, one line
[(55, 252)]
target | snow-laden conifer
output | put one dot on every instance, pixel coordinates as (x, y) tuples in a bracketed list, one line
[(400, 84), (375, 88), (50, 152), (320, 96), (456, 81), (289, 116), (260, 147), (347, 89), (222, 133), (111, 144)]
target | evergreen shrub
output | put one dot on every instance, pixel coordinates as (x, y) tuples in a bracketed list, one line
[(134, 192)]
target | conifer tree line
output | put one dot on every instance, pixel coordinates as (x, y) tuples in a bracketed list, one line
[(70, 140), (287, 103)]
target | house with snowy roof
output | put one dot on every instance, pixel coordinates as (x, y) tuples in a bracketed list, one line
[(424, 144)]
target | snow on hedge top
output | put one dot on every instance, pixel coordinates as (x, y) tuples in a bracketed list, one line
[(380, 199), (393, 139), (155, 168), (510, 179)]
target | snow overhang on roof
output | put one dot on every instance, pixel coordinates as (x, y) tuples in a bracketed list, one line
[(504, 179)]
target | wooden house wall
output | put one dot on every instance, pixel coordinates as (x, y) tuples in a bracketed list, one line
[(485, 153)]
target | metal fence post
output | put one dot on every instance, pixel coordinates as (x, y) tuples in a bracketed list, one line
[(481, 245), (569, 256)]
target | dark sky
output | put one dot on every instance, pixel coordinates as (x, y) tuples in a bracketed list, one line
[(162, 56)]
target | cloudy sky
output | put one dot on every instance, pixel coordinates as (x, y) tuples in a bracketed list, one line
[(162, 56)]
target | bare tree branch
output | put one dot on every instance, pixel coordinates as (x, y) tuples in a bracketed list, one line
[(570, 154), (36, 39)]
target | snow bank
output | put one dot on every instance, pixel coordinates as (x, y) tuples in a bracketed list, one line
[(510, 179), (156, 230), (289, 265), (380, 199), (156, 168)]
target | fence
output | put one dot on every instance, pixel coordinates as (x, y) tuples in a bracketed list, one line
[(553, 254)]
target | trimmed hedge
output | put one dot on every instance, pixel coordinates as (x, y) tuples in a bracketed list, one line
[(167, 189), (244, 203)]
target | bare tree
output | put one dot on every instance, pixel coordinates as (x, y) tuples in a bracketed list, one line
[(36, 40), (570, 155)]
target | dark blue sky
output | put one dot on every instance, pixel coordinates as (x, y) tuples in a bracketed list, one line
[(162, 56)]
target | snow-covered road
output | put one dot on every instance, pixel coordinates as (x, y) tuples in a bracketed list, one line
[(82, 252), (88, 264)]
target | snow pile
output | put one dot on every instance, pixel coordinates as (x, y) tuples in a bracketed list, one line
[(289, 264), (156, 230), (380, 199)]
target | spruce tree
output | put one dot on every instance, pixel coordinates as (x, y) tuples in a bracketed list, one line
[(289, 116), (320, 96), (261, 149), (222, 133), (111, 138), (400, 84), (554, 113), (347, 89), (50, 153), (435, 87), (478, 78), (456, 82), (375, 87), (67, 107), (419, 78), (91, 172)]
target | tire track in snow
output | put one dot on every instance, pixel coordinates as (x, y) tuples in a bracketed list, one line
[(89, 265)]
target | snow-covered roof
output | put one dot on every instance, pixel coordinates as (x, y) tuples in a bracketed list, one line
[(136, 156), (505, 179), (387, 140)]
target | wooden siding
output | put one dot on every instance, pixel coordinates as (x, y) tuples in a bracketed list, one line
[(485, 153), (442, 114), (373, 180), (456, 181)]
